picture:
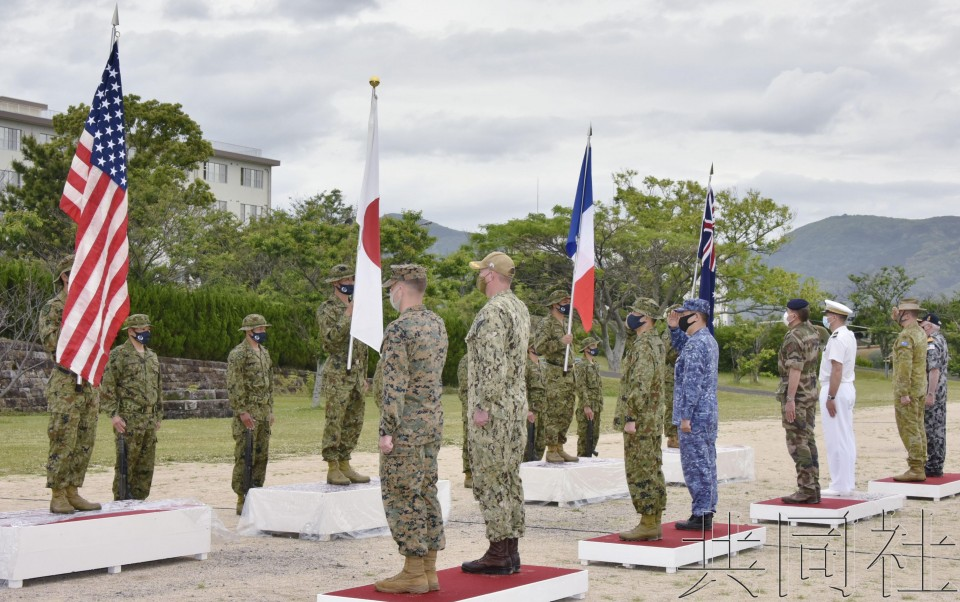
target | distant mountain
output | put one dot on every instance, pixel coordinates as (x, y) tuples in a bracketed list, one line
[(831, 249), (448, 239)]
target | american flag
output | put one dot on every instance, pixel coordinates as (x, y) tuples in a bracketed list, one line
[(707, 254), (95, 197)]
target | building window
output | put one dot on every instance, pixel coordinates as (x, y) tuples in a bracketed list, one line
[(250, 212), (215, 172), (221, 206), (10, 138), (9, 177), (251, 177)]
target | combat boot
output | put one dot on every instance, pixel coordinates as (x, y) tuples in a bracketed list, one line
[(59, 503), (802, 496), (350, 473), (468, 480), (430, 570), (495, 561), (334, 476), (649, 529), (75, 499), (696, 523), (411, 580), (240, 500), (513, 548), (673, 442), (566, 457), (912, 475), (553, 456)]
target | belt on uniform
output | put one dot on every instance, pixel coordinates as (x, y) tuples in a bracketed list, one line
[(65, 371)]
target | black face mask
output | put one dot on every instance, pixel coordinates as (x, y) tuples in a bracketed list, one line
[(634, 321), (142, 337), (259, 337), (346, 289), (564, 309), (684, 322)]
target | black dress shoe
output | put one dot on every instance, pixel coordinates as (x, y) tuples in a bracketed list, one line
[(696, 523)]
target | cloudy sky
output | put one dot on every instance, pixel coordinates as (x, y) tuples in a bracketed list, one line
[(827, 106)]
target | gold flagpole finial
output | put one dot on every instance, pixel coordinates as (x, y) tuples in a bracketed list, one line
[(374, 81)]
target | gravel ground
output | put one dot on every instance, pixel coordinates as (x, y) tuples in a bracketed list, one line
[(288, 568)]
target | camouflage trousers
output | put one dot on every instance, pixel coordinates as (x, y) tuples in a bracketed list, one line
[(561, 397), (912, 433), (408, 487), (935, 423), (141, 444), (72, 430), (261, 450), (802, 444), (643, 462), (539, 446), (465, 452), (582, 443), (496, 450), (669, 428), (698, 459), (344, 421)]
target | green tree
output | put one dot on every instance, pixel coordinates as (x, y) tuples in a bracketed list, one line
[(874, 296)]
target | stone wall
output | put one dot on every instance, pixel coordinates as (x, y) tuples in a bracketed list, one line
[(191, 388)]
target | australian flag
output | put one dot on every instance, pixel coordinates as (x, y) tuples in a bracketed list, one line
[(707, 255)]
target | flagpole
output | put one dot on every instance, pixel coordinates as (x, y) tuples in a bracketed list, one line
[(697, 259), (116, 21), (573, 284)]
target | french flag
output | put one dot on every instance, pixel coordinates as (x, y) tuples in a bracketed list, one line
[(580, 243)]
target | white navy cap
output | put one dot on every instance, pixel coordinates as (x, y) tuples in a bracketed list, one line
[(837, 308)]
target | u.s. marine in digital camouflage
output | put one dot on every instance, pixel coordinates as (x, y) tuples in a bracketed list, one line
[(131, 394), (536, 406)]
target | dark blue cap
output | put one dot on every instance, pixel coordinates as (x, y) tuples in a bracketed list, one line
[(797, 304)]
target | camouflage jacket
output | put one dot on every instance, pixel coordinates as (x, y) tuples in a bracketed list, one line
[(910, 363), (800, 351), (413, 353), (131, 383), (671, 362), (462, 376), (589, 387), (641, 384), (695, 377), (497, 347), (938, 357), (250, 381), (547, 344), (334, 326), (536, 392), (51, 318)]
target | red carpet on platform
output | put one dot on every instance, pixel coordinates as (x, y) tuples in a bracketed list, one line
[(826, 503), (456, 585), (674, 538), (946, 478)]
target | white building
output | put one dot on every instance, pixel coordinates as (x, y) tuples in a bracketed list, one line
[(239, 176)]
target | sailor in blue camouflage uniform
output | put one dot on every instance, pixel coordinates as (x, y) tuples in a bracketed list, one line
[(411, 428), (935, 411), (695, 409)]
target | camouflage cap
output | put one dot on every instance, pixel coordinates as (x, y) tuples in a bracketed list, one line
[(589, 342), (555, 297), (405, 271), (136, 321), (498, 262), (339, 272), (698, 305), (253, 321), (64, 265), (647, 307)]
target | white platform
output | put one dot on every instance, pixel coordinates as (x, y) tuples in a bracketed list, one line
[(531, 584), (571, 484), (321, 511), (831, 511), (934, 488), (734, 465), (676, 549), (36, 543)]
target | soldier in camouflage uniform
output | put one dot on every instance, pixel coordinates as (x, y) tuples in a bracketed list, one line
[(695, 408), (798, 396), (343, 390), (536, 404), (586, 375), (935, 413), (73, 412), (639, 414), (669, 428), (411, 429), (250, 389), (550, 342), (497, 402), (462, 394), (910, 387), (131, 394)]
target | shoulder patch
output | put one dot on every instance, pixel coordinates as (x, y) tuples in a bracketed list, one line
[(904, 343)]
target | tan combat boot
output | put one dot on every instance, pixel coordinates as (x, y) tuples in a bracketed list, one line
[(73, 496), (649, 529), (430, 570), (468, 480), (334, 476), (350, 473), (566, 457), (673, 442), (240, 500), (59, 503), (553, 456), (913, 475), (411, 580)]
